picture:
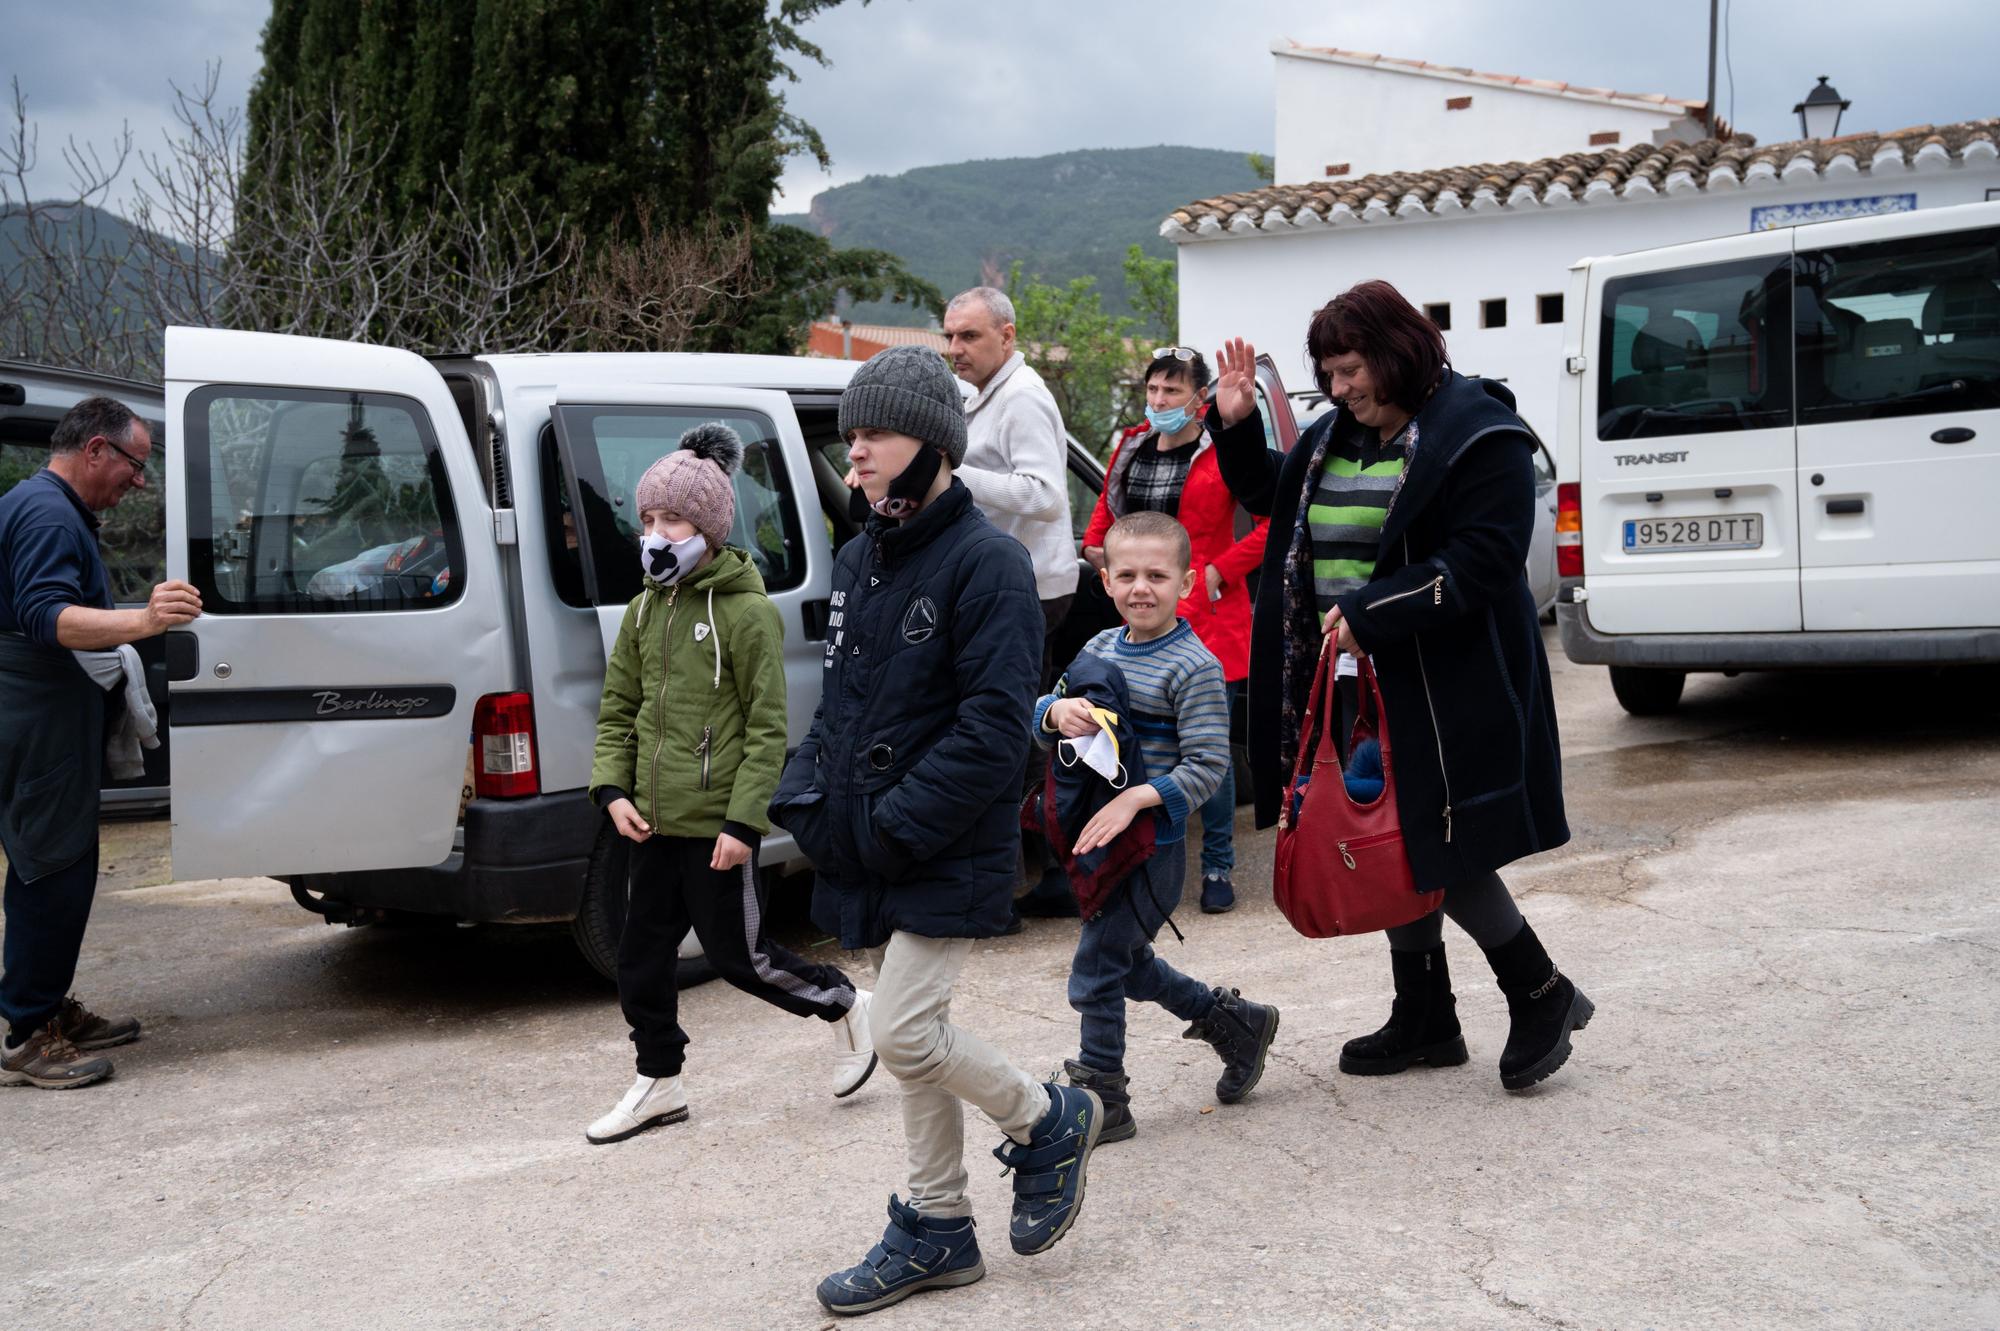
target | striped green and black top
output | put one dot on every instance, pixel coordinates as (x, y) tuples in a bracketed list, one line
[(1348, 506)]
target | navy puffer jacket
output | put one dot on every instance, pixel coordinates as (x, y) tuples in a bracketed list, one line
[(906, 791)]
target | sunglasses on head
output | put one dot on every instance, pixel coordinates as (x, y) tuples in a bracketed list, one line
[(1178, 353)]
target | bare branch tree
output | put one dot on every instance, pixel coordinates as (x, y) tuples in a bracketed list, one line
[(657, 290)]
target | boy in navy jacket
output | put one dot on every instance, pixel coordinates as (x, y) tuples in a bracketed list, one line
[(905, 796)]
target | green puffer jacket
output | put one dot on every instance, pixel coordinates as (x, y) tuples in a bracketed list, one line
[(692, 723)]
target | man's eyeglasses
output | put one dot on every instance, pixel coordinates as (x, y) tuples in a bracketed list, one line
[(138, 467), (1178, 353)]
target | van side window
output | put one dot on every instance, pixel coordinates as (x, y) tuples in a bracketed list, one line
[(610, 448), (305, 501), (1696, 350), (1899, 327)]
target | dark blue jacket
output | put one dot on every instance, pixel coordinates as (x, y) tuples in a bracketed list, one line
[(906, 792), (1079, 792), (1450, 623), (49, 558)]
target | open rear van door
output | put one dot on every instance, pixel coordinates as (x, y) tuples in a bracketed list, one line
[(324, 499)]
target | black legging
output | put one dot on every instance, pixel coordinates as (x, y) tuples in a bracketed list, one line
[(1483, 907)]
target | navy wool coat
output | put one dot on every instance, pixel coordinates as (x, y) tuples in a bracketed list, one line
[(1449, 621)]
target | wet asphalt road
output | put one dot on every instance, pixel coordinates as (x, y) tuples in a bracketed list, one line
[(1781, 898)]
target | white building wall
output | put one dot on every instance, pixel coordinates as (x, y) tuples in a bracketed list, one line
[(1377, 118), (1266, 288)]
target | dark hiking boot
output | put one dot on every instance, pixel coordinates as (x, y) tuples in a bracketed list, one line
[(1241, 1032), (1049, 1170), (916, 1253), (1218, 894), (86, 1030), (1423, 1021), (1543, 1007), (47, 1059), (1114, 1089)]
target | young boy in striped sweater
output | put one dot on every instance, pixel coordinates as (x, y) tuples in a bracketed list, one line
[(1181, 717)]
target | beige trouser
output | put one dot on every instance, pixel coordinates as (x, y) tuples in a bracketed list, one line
[(938, 1066)]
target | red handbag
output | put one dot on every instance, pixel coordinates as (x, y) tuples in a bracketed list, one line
[(1342, 867)]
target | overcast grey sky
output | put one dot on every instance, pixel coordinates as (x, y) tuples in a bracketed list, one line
[(922, 82)]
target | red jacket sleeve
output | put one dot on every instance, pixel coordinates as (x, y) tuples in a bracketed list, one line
[(1243, 558), (1102, 517)]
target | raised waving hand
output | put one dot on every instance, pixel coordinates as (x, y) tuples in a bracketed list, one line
[(1235, 380)]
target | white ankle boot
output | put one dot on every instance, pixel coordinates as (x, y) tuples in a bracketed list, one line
[(651, 1102), (853, 1048)]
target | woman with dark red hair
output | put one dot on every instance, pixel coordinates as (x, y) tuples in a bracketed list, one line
[(1400, 523)]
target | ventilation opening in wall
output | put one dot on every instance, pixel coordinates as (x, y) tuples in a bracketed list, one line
[(1549, 308), (1439, 314), (1458, 103), (1338, 168), (1493, 313), (1604, 139)]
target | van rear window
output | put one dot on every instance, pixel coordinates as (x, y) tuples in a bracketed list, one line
[(305, 501), (1901, 327), (1696, 350)]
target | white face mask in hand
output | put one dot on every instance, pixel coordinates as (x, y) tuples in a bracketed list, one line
[(667, 562), (1099, 753)]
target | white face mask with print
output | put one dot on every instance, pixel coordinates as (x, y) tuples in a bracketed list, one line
[(667, 562)]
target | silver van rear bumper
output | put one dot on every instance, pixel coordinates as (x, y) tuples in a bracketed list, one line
[(1773, 651)]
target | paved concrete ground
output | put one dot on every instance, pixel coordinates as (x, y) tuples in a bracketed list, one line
[(1782, 900)]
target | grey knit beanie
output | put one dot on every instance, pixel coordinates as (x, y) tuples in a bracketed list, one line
[(693, 481), (909, 390)]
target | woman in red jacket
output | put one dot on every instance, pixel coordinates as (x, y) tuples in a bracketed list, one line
[(1171, 469)]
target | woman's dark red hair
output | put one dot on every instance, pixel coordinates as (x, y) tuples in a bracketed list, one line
[(1404, 350)]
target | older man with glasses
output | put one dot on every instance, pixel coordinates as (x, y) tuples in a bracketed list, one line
[(55, 602)]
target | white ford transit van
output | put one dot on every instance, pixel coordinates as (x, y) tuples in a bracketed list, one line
[(1782, 450), (412, 571)]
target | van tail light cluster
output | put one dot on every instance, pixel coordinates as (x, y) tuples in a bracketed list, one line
[(503, 730), (1569, 530)]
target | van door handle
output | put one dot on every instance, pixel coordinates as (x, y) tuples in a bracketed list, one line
[(183, 654), (816, 615), (1841, 507), (1952, 434)]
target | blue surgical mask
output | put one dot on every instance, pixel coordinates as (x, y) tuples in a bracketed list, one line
[(667, 562), (1172, 421)]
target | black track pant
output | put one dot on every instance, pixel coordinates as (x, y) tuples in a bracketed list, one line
[(672, 889)]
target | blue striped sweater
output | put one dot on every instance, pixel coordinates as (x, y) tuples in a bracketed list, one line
[(1180, 714)]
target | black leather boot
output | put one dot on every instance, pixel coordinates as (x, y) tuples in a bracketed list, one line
[(1114, 1089), (1241, 1032), (1543, 1007), (1423, 1021)]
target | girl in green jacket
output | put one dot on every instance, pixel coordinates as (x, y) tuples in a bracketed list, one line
[(690, 743)]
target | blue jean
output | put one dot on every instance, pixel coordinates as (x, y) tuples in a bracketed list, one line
[(1218, 815), (1115, 961)]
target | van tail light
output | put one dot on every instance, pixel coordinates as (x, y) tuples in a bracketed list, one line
[(503, 728), (1569, 530)]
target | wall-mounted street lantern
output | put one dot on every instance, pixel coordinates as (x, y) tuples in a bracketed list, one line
[(1819, 113)]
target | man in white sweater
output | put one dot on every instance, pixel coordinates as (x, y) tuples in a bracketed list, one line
[(1016, 460), (1017, 467)]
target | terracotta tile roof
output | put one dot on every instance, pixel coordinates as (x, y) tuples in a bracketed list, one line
[(824, 339), (1334, 53), (1637, 172)]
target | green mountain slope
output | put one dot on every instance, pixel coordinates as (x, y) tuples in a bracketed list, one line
[(1069, 215)]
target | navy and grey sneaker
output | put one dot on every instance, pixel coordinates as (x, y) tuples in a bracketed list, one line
[(915, 1254), (1049, 1170), (1218, 894)]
